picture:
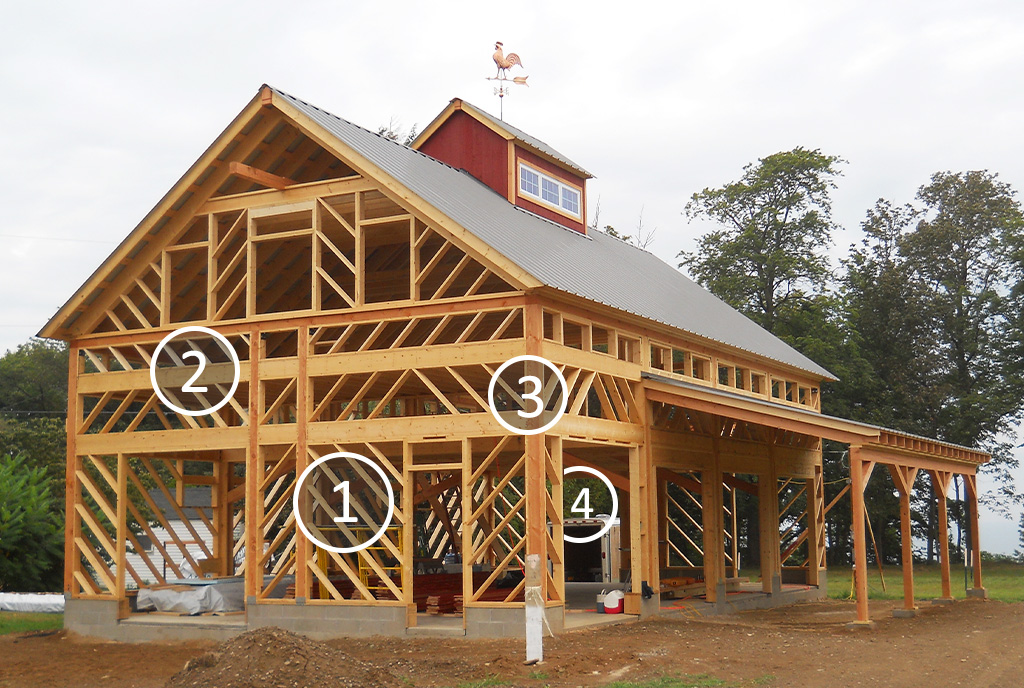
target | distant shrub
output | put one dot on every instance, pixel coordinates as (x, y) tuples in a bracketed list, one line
[(31, 529)]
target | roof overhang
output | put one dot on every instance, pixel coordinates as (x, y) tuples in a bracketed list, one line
[(879, 444)]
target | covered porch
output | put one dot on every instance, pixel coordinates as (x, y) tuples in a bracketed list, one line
[(715, 443)]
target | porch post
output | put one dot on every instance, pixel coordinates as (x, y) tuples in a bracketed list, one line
[(860, 470), (940, 480), (768, 511), (713, 524), (972, 499), (903, 478)]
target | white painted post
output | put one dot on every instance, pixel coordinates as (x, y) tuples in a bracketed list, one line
[(534, 611)]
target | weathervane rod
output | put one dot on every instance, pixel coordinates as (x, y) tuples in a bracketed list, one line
[(505, 62)]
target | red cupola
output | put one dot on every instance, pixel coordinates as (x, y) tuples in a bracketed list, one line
[(523, 169)]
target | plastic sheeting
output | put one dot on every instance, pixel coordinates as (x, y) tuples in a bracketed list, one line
[(220, 597), (47, 603)]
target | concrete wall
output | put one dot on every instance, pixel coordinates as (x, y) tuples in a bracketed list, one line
[(322, 621), (495, 622)]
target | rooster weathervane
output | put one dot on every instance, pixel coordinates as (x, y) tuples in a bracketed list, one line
[(505, 62)]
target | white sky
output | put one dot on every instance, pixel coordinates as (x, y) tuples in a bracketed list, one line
[(103, 105)]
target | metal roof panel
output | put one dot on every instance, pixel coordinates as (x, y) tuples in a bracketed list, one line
[(594, 266)]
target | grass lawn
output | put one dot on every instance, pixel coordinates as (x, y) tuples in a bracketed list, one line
[(1003, 581), (21, 622)]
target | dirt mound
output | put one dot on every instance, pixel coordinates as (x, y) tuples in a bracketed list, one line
[(275, 657)]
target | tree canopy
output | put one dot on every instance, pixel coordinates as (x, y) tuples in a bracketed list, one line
[(767, 260), (923, 324)]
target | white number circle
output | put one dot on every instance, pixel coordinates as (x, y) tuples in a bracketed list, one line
[(377, 534), (531, 396), (226, 345)]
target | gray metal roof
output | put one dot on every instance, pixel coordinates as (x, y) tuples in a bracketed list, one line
[(594, 266), (531, 141)]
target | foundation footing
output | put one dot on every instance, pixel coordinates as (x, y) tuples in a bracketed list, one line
[(861, 625), (904, 613), (978, 593), (943, 600)]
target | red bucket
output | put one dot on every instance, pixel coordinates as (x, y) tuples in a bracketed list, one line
[(613, 602)]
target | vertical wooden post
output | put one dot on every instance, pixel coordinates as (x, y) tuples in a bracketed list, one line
[(637, 525), (536, 502), (557, 527), (733, 526), (940, 480), (253, 473), (74, 421), (303, 391), (121, 565), (907, 558), (468, 526), (815, 488), (409, 534), (360, 263), (768, 513), (662, 521), (644, 497), (971, 481), (713, 524), (860, 471), (903, 478), (223, 537)]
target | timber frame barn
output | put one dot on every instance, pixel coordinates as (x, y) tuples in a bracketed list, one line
[(370, 290)]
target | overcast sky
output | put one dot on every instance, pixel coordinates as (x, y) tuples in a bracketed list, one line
[(104, 105)]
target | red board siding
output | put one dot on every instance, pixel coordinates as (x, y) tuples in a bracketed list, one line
[(465, 143), (559, 173)]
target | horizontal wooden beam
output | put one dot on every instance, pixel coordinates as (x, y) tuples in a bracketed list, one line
[(162, 441), (896, 457), (252, 174), (274, 322)]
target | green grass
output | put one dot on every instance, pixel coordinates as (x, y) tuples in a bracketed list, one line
[(1003, 581), (486, 683), (19, 622), (698, 681)]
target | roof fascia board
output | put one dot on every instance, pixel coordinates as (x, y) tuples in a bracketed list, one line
[(497, 262), (434, 125), (237, 126)]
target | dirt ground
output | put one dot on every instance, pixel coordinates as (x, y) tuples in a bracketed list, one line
[(977, 643)]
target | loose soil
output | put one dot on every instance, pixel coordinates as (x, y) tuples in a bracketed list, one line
[(976, 643)]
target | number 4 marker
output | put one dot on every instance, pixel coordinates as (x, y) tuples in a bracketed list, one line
[(584, 496)]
